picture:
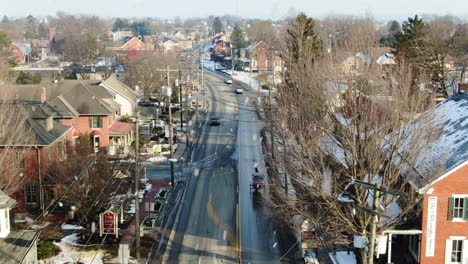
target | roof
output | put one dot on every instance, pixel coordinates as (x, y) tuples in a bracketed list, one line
[(85, 102), (14, 253), (62, 107), (450, 148), (6, 201), (120, 88), (24, 47), (43, 137), (121, 127)]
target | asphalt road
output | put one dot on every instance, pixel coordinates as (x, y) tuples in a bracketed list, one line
[(221, 219)]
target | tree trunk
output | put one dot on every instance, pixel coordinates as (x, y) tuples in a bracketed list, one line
[(362, 256)]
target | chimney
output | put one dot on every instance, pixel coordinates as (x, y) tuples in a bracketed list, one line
[(43, 95), (52, 32)]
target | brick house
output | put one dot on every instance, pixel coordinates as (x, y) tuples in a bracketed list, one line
[(47, 143), (443, 184), (220, 49), (259, 54)]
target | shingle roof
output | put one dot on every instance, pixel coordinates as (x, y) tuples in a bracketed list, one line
[(85, 102), (62, 107), (13, 253), (120, 88), (450, 148), (43, 137)]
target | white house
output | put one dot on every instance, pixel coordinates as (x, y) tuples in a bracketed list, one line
[(124, 95)]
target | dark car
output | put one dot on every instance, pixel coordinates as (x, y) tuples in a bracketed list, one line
[(215, 121), (143, 103)]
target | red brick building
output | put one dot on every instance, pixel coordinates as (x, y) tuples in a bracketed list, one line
[(443, 183)]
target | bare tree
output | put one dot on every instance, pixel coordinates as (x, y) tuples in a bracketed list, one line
[(144, 74), (92, 180), (15, 136), (334, 128), (261, 30)]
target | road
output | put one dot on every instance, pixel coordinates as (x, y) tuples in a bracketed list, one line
[(221, 220)]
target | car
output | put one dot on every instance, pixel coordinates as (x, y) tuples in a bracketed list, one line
[(215, 121), (228, 81), (239, 91), (143, 103)]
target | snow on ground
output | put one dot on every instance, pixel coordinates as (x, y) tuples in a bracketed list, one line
[(343, 257), (71, 254), (247, 78), (71, 227), (157, 159)]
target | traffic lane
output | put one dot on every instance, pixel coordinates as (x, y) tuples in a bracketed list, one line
[(259, 244), (208, 237)]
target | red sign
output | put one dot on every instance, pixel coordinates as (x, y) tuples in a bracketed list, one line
[(108, 223)]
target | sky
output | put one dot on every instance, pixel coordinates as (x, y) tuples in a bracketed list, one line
[(264, 9)]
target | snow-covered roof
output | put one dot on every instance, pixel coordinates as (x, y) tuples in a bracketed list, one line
[(386, 58), (450, 148)]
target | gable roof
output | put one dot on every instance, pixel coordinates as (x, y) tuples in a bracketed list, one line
[(450, 148), (120, 88), (133, 43), (85, 102)]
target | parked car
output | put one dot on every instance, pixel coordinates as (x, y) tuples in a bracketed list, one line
[(228, 80), (239, 91), (215, 121), (144, 103)]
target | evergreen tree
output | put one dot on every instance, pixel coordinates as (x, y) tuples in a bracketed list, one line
[(140, 28), (411, 40), (120, 24), (217, 26), (31, 27), (302, 41), (42, 31), (237, 38), (5, 19)]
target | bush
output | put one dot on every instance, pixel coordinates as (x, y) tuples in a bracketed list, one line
[(28, 78), (47, 249)]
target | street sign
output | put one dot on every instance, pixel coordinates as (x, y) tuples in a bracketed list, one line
[(108, 223)]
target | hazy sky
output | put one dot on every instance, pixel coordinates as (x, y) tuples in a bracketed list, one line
[(273, 9)]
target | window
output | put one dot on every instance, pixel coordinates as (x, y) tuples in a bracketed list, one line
[(458, 208), (456, 253), (414, 246), (30, 193), (95, 121)]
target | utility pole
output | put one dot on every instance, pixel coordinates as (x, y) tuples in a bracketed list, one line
[(180, 101), (137, 187), (171, 150), (377, 188)]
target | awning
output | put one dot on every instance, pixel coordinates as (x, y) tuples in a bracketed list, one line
[(95, 133)]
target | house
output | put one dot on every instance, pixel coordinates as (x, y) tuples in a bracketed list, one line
[(220, 36), (121, 34), (185, 34), (15, 246), (444, 220), (219, 50), (47, 143), (259, 56), (168, 45), (21, 52), (124, 95)]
